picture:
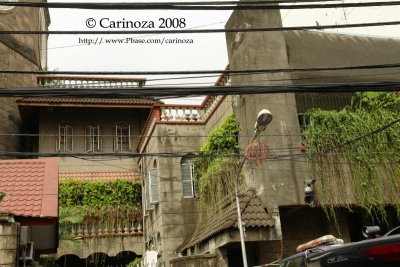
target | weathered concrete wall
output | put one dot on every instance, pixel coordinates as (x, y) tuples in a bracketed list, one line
[(106, 118), (207, 260), (9, 239), (174, 218), (277, 182), (308, 49), (18, 52)]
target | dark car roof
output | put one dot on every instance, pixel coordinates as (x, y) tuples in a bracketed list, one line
[(353, 248)]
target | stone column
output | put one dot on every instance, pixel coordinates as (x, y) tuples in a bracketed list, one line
[(9, 239)]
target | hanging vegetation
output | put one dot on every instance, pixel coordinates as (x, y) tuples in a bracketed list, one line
[(216, 170), (365, 172), (101, 197)]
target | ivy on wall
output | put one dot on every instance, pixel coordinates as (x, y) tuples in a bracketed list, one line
[(215, 170), (101, 197), (366, 171)]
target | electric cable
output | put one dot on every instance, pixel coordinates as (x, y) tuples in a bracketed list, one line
[(221, 5), (273, 29), (159, 92), (219, 72)]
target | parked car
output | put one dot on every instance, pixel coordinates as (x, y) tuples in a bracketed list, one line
[(379, 251)]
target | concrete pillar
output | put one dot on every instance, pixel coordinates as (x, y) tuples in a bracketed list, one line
[(278, 182), (9, 239)]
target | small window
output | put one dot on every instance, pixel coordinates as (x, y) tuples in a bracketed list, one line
[(93, 140), (122, 137), (187, 169), (64, 141)]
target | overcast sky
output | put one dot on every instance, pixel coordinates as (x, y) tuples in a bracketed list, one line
[(207, 52)]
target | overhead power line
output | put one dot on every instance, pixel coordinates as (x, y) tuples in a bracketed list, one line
[(217, 5), (205, 90), (184, 72), (296, 28)]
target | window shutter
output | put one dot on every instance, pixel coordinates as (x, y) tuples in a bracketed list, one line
[(153, 186), (68, 142), (187, 179), (87, 140), (147, 193), (58, 141), (129, 137), (116, 138)]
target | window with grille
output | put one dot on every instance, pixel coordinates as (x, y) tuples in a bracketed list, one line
[(122, 137), (64, 141), (93, 140), (187, 169)]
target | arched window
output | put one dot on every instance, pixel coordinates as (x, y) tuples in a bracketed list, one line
[(122, 137), (64, 140), (93, 139), (187, 169)]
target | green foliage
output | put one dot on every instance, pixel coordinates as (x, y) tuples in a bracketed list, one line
[(66, 217), (2, 195), (216, 171), (224, 137), (135, 262), (366, 171), (118, 196)]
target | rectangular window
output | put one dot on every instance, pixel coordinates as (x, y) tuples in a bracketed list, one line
[(153, 186), (64, 141), (122, 138), (93, 140), (187, 168)]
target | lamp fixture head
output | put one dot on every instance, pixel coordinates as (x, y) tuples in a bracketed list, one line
[(263, 119)]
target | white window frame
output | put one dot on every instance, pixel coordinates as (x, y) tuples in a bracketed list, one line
[(119, 137), (93, 139), (185, 180), (153, 186), (65, 133)]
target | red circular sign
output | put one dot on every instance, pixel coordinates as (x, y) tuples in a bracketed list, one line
[(257, 151)]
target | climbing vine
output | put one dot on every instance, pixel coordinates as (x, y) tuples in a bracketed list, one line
[(101, 197), (216, 169), (365, 172)]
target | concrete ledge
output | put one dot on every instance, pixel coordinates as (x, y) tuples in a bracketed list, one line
[(195, 257)]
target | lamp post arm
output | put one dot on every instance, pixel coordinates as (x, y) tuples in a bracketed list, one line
[(257, 132)]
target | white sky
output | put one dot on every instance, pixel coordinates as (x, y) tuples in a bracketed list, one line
[(208, 51)]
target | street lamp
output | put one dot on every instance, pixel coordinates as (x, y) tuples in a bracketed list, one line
[(263, 119)]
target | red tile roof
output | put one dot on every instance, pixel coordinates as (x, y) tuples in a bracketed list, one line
[(31, 187), (253, 215), (100, 175)]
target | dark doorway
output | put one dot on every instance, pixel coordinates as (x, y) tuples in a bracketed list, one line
[(234, 253)]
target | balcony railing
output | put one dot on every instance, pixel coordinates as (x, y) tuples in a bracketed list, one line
[(108, 227), (185, 114), (179, 114), (88, 82)]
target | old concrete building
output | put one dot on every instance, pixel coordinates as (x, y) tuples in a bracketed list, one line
[(172, 215), (86, 133), (17, 52)]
